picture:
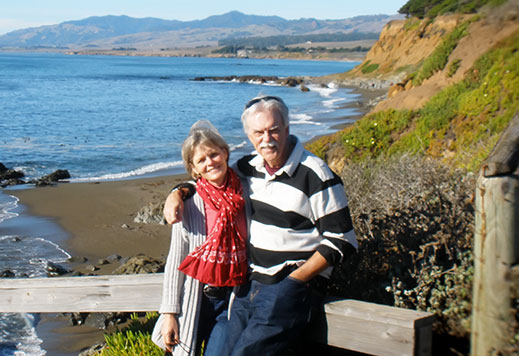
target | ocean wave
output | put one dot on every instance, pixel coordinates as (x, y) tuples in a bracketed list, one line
[(28, 256), (18, 335), (332, 103), (300, 119), (238, 146), (25, 257), (324, 92), (151, 168), (7, 204)]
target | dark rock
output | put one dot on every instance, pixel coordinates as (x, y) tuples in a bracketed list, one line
[(10, 176), (93, 350), (12, 181), (7, 274), (77, 259), (291, 82), (91, 268), (150, 214), (141, 264), (97, 320), (10, 173), (57, 175), (113, 258), (304, 89), (75, 319), (54, 269), (54, 177)]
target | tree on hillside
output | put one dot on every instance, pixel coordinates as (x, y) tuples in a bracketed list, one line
[(418, 8), (433, 8)]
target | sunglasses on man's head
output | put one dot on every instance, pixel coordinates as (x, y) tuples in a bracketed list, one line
[(263, 98)]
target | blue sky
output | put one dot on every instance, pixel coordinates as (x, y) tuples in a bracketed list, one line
[(17, 14)]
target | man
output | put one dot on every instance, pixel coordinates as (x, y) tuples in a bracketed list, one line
[(300, 226)]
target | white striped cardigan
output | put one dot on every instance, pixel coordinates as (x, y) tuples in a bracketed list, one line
[(182, 294)]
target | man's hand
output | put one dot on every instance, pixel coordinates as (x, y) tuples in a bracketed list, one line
[(311, 268), (170, 331), (174, 207)]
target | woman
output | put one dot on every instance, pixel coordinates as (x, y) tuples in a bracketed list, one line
[(207, 254)]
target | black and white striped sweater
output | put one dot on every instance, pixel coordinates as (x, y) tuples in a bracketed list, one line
[(301, 209)]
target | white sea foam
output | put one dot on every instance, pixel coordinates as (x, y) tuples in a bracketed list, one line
[(18, 335), (324, 92), (137, 172), (332, 103), (25, 256), (238, 146), (28, 256), (302, 119), (7, 204)]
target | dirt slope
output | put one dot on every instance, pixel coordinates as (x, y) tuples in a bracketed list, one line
[(404, 44)]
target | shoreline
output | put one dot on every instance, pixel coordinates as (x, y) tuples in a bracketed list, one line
[(92, 221), (97, 220)]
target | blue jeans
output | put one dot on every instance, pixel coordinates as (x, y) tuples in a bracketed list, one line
[(266, 318), (213, 325)]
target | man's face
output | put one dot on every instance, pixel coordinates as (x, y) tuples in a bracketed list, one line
[(269, 136)]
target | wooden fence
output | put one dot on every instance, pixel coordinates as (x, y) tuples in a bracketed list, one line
[(349, 324), (496, 246)]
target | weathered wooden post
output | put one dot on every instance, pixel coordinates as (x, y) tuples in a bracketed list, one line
[(496, 245)]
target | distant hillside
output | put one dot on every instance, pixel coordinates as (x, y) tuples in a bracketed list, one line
[(109, 32)]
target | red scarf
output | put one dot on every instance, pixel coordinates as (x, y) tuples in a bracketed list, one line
[(222, 259)]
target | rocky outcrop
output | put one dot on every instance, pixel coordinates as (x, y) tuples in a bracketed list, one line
[(52, 178), (141, 264), (54, 269), (261, 79), (10, 177), (151, 214)]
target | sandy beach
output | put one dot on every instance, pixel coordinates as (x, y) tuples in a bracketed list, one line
[(98, 220)]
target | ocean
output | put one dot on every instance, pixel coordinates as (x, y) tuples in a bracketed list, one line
[(116, 117)]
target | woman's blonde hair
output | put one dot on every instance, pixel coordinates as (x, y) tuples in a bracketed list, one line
[(201, 133)]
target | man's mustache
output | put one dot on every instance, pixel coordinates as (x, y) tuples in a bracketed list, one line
[(268, 145)]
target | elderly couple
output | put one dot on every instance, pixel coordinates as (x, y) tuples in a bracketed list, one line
[(253, 245)]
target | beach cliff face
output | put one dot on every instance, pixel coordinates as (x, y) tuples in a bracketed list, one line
[(417, 59), (404, 45)]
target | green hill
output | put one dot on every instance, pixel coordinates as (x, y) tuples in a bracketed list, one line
[(410, 165)]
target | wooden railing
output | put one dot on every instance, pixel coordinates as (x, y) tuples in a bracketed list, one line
[(349, 324), (496, 246)]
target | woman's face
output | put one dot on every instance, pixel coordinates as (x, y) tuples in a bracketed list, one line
[(210, 162)]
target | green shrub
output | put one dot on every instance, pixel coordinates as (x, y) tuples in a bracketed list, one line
[(414, 219), (453, 68), (433, 8), (134, 340), (369, 67), (440, 56), (374, 134)]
